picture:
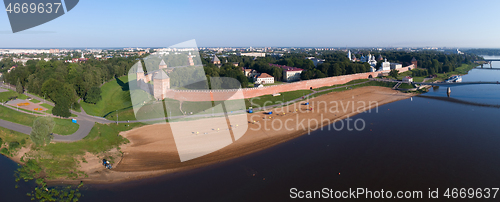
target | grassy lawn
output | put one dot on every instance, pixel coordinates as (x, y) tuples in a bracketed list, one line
[(267, 100), (65, 127), (25, 119), (5, 96), (275, 83), (64, 156), (463, 69), (35, 101), (49, 107), (115, 96), (9, 136), (406, 86), (348, 83)]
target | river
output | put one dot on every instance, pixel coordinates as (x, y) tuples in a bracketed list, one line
[(409, 145)]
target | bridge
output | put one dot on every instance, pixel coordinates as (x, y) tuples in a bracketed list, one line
[(486, 61), (457, 83)]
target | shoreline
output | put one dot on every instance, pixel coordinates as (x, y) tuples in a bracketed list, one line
[(165, 160)]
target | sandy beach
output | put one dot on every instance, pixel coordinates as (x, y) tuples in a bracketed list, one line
[(152, 150)]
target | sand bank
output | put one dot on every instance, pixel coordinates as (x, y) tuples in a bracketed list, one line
[(152, 150)]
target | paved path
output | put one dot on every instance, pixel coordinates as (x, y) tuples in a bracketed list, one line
[(16, 127)]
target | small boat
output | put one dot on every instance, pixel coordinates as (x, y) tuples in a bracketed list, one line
[(454, 79)]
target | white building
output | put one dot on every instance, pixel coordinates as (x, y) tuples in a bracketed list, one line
[(407, 79), (316, 61), (349, 55), (250, 72), (252, 54), (371, 60), (386, 66), (396, 66), (263, 78)]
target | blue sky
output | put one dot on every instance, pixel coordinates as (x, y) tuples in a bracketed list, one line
[(238, 23)]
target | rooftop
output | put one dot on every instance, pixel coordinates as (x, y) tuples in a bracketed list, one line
[(286, 68), (265, 75)]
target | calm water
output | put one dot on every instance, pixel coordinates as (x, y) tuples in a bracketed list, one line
[(408, 145)]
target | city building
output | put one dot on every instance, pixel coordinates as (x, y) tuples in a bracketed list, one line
[(11, 68), (190, 60), (250, 73), (396, 66), (414, 62), (386, 66), (407, 79), (289, 73), (263, 78), (371, 60), (252, 54), (316, 61)]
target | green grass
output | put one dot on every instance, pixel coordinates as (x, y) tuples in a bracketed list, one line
[(35, 101), (27, 120), (9, 136), (65, 127), (5, 96), (63, 162), (115, 96), (406, 86), (267, 100), (49, 107), (348, 83)]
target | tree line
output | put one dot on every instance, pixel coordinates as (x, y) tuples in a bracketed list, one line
[(66, 83)]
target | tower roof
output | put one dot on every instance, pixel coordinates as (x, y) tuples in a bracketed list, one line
[(161, 75), (162, 63), (413, 60), (216, 59), (139, 67)]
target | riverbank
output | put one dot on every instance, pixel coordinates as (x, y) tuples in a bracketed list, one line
[(152, 150)]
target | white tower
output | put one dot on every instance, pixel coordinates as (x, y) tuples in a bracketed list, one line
[(349, 55)]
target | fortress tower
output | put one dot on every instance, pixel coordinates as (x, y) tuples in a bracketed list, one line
[(190, 59), (414, 62), (163, 65), (161, 83), (140, 72)]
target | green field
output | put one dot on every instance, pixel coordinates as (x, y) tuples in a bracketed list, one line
[(463, 69), (5, 96), (35, 101), (267, 100), (49, 107), (8, 137), (64, 156), (115, 96), (63, 126)]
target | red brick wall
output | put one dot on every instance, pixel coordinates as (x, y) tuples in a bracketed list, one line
[(219, 95)]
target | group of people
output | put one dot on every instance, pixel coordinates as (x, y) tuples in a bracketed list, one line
[(106, 164)]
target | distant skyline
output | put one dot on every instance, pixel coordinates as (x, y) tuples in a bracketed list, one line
[(385, 23)]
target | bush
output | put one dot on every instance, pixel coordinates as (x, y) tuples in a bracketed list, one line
[(14, 145), (23, 142), (93, 95), (1, 142), (4, 151)]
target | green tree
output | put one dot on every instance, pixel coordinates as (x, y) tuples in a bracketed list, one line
[(61, 108), (394, 73), (93, 95), (19, 87), (41, 131)]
